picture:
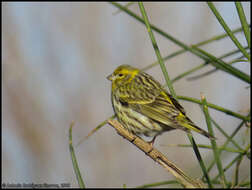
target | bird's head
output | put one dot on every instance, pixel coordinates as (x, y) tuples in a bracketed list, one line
[(122, 75)]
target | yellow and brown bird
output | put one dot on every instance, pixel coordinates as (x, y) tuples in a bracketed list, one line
[(144, 107)]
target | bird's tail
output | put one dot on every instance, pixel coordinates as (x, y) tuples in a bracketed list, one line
[(189, 125)]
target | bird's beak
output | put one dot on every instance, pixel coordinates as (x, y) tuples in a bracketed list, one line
[(110, 77)]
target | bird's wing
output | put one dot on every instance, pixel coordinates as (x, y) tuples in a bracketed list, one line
[(166, 110), (146, 96), (161, 109), (176, 104), (139, 92)]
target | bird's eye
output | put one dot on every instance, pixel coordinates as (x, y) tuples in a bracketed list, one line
[(120, 74)]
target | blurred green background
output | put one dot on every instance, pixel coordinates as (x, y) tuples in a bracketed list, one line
[(55, 59)]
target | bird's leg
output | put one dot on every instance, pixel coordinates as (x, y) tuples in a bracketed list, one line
[(152, 141)]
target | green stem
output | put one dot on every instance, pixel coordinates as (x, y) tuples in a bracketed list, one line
[(127, 5), (227, 29), (203, 65), (213, 142), (161, 32), (200, 160), (214, 70), (210, 147), (181, 44), (74, 160), (169, 83), (227, 141), (219, 64), (216, 107), (245, 184), (226, 135), (237, 158), (236, 177), (155, 46), (243, 20), (158, 184), (215, 38)]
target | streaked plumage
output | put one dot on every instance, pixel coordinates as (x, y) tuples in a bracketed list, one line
[(143, 107)]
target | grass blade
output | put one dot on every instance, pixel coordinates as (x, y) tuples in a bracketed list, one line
[(226, 135), (213, 142), (74, 160), (201, 66), (161, 32), (219, 108), (206, 147), (219, 64), (200, 160), (226, 143), (169, 83), (174, 40), (127, 5), (158, 184), (243, 20), (227, 29), (155, 46)]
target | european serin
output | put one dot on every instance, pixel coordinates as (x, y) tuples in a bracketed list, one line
[(143, 107)]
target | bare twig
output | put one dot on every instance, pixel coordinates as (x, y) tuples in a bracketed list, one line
[(156, 156)]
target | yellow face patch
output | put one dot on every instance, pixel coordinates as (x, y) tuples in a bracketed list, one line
[(124, 71), (122, 75)]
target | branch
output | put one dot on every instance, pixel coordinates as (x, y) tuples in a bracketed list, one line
[(156, 156)]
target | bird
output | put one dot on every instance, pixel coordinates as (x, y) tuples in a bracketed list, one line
[(144, 107)]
